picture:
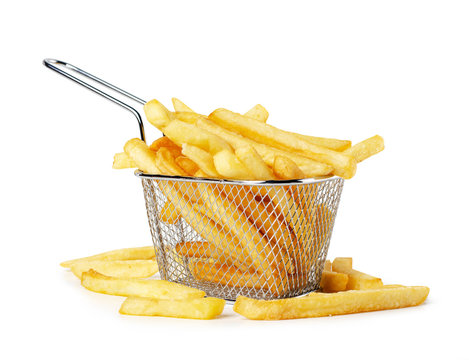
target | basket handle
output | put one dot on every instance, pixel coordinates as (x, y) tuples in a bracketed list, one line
[(51, 64)]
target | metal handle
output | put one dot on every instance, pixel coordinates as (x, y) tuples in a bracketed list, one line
[(50, 63)]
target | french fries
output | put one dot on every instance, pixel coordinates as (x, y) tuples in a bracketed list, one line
[(258, 113), (179, 106), (202, 309), (356, 279), (156, 289), (202, 158), (363, 150), (126, 269), (333, 282), (123, 161), (341, 303), (286, 169)]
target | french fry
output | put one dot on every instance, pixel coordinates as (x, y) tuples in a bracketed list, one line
[(340, 303), (201, 174), (127, 269), (188, 117), (135, 253), (344, 165), (286, 169), (202, 309), (166, 142), (204, 250), (169, 214), (310, 167), (356, 279), (333, 281), (328, 265), (167, 162), (250, 158), (229, 166), (123, 161), (369, 147), (157, 114), (141, 154), (258, 113), (202, 158), (187, 165), (157, 289), (333, 144), (179, 106)]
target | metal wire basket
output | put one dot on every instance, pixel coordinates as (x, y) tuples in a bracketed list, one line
[(262, 239)]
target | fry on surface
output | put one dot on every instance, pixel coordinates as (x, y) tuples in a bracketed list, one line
[(127, 269)]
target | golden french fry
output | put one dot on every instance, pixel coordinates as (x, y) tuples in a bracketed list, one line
[(369, 147), (141, 154), (202, 309), (135, 253), (179, 106), (333, 281), (203, 249), (157, 114), (258, 113), (166, 142), (251, 159), (187, 165), (201, 174), (340, 303), (356, 279), (344, 165), (286, 169), (166, 161), (169, 214), (123, 161), (328, 265), (229, 166), (202, 158), (126, 269), (188, 117), (157, 289), (333, 144), (310, 167)]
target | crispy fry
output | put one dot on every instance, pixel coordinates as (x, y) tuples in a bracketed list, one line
[(333, 144), (157, 114), (157, 289), (165, 141), (286, 169), (188, 117), (203, 249), (328, 265), (140, 153), (342, 263), (123, 161), (135, 253), (356, 279), (333, 281), (202, 158), (229, 166), (341, 303), (126, 269), (258, 113), (187, 165), (344, 165), (369, 147), (251, 159), (179, 106), (167, 162), (203, 309)]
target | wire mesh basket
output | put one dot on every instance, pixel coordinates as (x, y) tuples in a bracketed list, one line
[(262, 239)]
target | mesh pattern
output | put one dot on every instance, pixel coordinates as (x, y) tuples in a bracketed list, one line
[(262, 241)]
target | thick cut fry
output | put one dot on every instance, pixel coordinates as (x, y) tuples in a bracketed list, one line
[(166, 161), (310, 167), (286, 169), (202, 158), (258, 113), (126, 269), (251, 159), (202, 309), (141, 154), (369, 147), (156, 289), (333, 282), (344, 263), (169, 214), (123, 161), (356, 279), (187, 165), (136, 253), (328, 265), (179, 106), (341, 303), (157, 114), (164, 141), (344, 165), (229, 166)]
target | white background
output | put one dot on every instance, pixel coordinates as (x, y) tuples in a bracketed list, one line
[(344, 69)]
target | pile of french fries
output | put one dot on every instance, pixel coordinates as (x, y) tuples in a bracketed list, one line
[(256, 237), (344, 290)]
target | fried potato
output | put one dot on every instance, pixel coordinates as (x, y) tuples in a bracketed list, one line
[(157, 114), (340, 303), (166, 142), (204, 250), (369, 147), (258, 113), (229, 166), (126, 269), (169, 214), (187, 165), (250, 158), (344, 165), (203, 309), (141, 154), (166, 161), (333, 281), (286, 169), (123, 161), (179, 106), (157, 289), (356, 279), (310, 167), (202, 158), (188, 117), (328, 265), (333, 144), (135, 253)]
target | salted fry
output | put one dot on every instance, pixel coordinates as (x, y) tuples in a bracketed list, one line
[(123, 161), (135, 253), (251, 159), (369, 147), (344, 165), (333, 281), (157, 289), (340, 303), (179, 106), (187, 165), (127, 269), (202, 158), (286, 169), (202, 309), (141, 154), (258, 113), (356, 279)]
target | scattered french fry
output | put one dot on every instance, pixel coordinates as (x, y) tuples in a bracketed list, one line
[(356, 279), (126, 269), (333, 282)]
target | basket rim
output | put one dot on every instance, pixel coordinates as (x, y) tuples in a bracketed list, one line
[(142, 175)]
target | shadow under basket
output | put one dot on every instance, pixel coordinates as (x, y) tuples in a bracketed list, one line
[(261, 239)]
